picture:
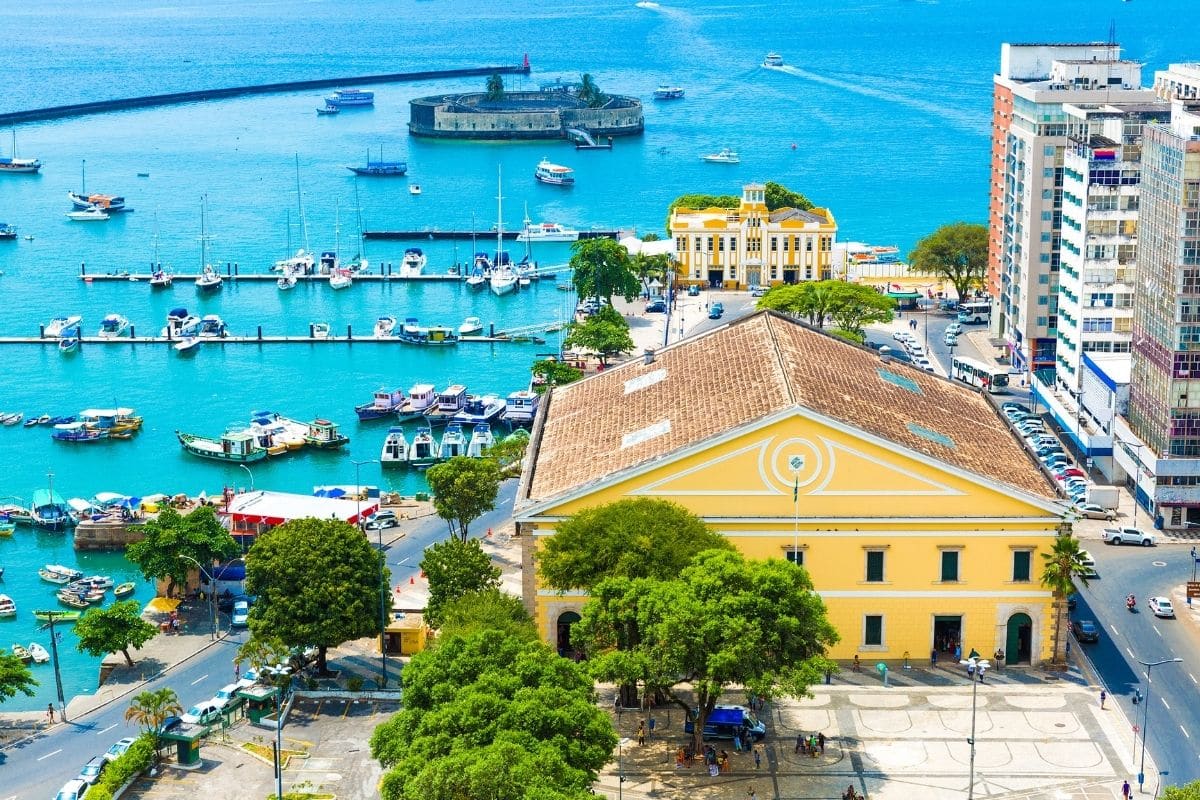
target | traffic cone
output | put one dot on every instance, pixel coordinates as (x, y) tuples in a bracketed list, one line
[(411, 582), (489, 533)]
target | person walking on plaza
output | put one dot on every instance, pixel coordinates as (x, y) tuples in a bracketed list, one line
[(641, 733), (50, 713), (821, 741), (1126, 792), (757, 758), (799, 743), (1103, 698)]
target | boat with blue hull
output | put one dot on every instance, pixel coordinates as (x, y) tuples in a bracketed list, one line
[(49, 511), (385, 403), (381, 168), (349, 98)]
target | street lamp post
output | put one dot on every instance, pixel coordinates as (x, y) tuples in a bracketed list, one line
[(975, 669), (383, 676), (207, 575), (621, 768), (1146, 716), (251, 474)]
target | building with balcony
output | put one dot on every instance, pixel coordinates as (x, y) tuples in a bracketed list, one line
[(751, 245), (1179, 82)]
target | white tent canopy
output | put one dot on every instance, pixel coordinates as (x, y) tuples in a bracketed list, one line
[(634, 245)]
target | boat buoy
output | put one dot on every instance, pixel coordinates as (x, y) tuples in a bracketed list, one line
[(793, 145)]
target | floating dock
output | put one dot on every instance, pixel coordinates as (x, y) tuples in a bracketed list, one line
[(233, 274)]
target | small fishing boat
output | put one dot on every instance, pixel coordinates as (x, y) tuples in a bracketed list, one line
[(51, 512), (111, 419), (471, 326), (324, 434), (479, 409), (724, 156), (209, 279), (554, 174), (187, 344), (68, 343), (238, 447), (7, 528), (413, 263), (44, 419), (380, 168), (39, 654), (124, 589), (320, 330), (88, 200), (424, 450), (11, 418), (420, 397), (91, 214), (14, 513), (60, 325), (286, 281), (21, 653), (29, 423), (160, 279), (76, 432), (383, 404), (45, 615), (98, 581), (395, 448), (58, 574), (414, 188), (212, 327), (340, 279), (664, 92), (71, 600), (454, 441), (385, 326), (113, 326), (481, 439), (327, 110), (8, 608)]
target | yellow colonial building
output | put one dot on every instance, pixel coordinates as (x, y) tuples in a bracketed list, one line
[(751, 246), (919, 515)]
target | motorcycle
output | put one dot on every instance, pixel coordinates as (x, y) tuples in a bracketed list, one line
[(1131, 604)]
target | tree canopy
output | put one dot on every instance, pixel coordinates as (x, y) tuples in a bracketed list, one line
[(117, 628), (1190, 791), (15, 676), (1061, 567), (779, 196), (318, 582), (957, 252), (723, 620), (632, 538), (463, 490), (590, 93), (553, 373), (508, 453), (850, 305), (776, 196), (495, 87), (149, 709), (454, 568), (170, 537), (602, 268), (490, 609), (605, 333)]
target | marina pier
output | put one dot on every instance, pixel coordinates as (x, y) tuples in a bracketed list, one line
[(233, 273), (481, 235)]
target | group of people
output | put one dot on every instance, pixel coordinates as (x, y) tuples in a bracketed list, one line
[(851, 794), (810, 745)]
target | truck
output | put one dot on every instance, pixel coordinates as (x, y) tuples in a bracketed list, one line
[(1104, 496), (1128, 536)]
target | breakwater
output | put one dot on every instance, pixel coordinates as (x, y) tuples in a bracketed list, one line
[(201, 95)]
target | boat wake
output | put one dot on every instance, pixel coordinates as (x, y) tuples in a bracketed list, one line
[(646, 4), (960, 119)]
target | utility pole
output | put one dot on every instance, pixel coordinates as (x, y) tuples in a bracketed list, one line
[(62, 702)]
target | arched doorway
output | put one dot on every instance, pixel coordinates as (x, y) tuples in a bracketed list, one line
[(1019, 647), (563, 638)]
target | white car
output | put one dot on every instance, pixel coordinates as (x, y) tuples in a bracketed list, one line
[(1161, 607), (118, 749), (950, 340), (240, 617), (955, 327), (203, 713), (226, 695), (72, 790), (1128, 536)]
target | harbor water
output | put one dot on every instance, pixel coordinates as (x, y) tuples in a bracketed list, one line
[(881, 113)]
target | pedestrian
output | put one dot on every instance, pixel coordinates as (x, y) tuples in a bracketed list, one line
[(982, 669), (237, 670), (821, 741), (958, 652), (50, 713), (799, 743), (857, 666), (933, 657), (175, 625), (757, 758), (812, 746), (650, 729), (1103, 698), (751, 794), (641, 733), (1126, 792)]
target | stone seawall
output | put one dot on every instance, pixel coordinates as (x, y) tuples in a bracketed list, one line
[(547, 115), (107, 535)]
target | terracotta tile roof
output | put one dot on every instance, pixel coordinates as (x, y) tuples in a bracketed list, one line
[(734, 375)]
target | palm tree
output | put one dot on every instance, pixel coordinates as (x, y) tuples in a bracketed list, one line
[(495, 87), (150, 708), (589, 92), (1063, 564)]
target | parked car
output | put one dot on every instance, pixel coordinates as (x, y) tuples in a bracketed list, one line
[(656, 307), (1089, 564), (92, 769), (716, 310), (727, 721), (693, 291), (169, 724), (1161, 607), (901, 336), (1093, 511), (1128, 536), (1085, 630), (895, 353), (240, 616), (757, 291), (118, 749), (1070, 472), (1007, 404), (203, 713), (72, 790), (226, 694)]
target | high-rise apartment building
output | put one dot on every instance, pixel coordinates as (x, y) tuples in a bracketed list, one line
[(1030, 136)]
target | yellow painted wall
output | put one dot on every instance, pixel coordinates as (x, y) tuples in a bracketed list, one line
[(856, 495)]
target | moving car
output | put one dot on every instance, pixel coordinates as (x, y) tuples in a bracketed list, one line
[(381, 524), (956, 328), (1128, 536), (693, 291), (118, 749), (716, 311), (950, 340), (1089, 564), (656, 307), (1085, 630), (1161, 607), (240, 617), (1093, 511), (757, 291)]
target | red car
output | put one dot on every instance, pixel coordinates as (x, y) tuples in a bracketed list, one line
[(1070, 472)]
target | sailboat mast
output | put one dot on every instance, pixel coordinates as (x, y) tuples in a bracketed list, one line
[(499, 214), (203, 237), (300, 206), (337, 227)]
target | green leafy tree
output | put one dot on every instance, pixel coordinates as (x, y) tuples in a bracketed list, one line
[(699, 202), (812, 300), (508, 453), (463, 490), (15, 676), (650, 268), (117, 628), (1190, 791), (779, 196), (856, 306), (490, 609), (319, 582), (605, 333), (149, 709), (590, 93), (198, 536), (602, 268), (495, 87), (553, 373), (454, 568), (263, 650), (724, 620), (1061, 567), (957, 252)]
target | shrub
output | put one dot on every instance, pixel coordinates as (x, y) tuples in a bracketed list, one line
[(422, 497), (354, 683), (99, 792), (136, 760)]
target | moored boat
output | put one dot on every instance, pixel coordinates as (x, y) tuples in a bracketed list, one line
[(110, 419), (340, 279), (7, 528), (237, 447), (385, 326), (484, 408), (113, 326), (395, 448), (71, 600), (50, 511), (60, 325), (8, 608), (57, 573), (547, 232), (424, 450), (413, 263), (187, 344), (39, 654), (342, 98), (449, 402), (724, 156), (160, 279), (286, 281), (300, 264), (384, 404), (76, 432), (433, 335), (554, 174), (481, 440), (21, 653), (324, 434), (211, 327), (503, 280), (124, 589), (664, 92), (55, 615), (320, 330), (12, 164), (69, 342), (420, 397), (471, 326), (11, 418), (454, 441), (209, 279), (380, 168)]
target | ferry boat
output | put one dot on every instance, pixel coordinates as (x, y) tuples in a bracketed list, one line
[(424, 450), (324, 434), (12, 164), (341, 98), (414, 263), (7, 231), (454, 441), (449, 402), (484, 408), (547, 232), (773, 60), (380, 168), (554, 174), (420, 397), (395, 448), (433, 335), (665, 92), (725, 156), (113, 326), (481, 440), (385, 326), (238, 447), (385, 403), (520, 407)]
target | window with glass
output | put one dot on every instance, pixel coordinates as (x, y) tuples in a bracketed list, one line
[(1022, 559), (875, 566), (873, 630), (950, 566)]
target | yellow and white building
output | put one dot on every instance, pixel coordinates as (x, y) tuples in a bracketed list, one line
[(919, 515), (751, 246)]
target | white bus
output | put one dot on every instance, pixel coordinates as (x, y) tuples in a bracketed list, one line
[(990, 379), (975, 312)]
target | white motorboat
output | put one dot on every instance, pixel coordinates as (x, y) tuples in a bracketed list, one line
[(113, 326), (180, 323), (454, 441), (212, 327), (503, 280), (40, 656), (395, 448), (59, 325), (665, 92), (286, 281), (209, 279), (424, 451), (414, 189), (90, 214), (413, 264), (320, 330), (8, 608), (479, 409), (340, 279), (773, 60), (547, 232), (187, 343), (471, 326), (481, 440), (554, 174), (385, 326), (160, 279), (725, 156), (301, 263), (520, 407), (476, 280)]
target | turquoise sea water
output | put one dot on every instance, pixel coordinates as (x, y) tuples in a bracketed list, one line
[(886, 101)]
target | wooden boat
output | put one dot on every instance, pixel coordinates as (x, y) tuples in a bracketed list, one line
[(124, 589), (50, 575), (8, 608), (57, 616), (6, 528), (384, 404), (72, 601), (325, 435), (20, 652), (380, 168), (240, 448), (39, 654)]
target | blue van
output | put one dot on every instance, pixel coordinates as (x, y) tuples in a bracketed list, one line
[(726, 721)]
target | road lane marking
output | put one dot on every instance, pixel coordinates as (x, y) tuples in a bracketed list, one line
[(1185, 733), (202, 677), (1131, 655), (106, 730), (1165, 703), (1156, 630), (56, 752), (1193, 677)]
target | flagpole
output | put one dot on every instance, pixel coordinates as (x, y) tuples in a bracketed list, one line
[(796, 463)]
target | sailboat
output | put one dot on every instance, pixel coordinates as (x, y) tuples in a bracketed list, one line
[(339, 277), (502, 280), (209, 278), (86, 202), (12, 164), (159, 277), (302, 262)]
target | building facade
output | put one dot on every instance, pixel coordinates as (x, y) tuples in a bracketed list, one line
[(751, 245), (1030, 138), (915, 510)]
